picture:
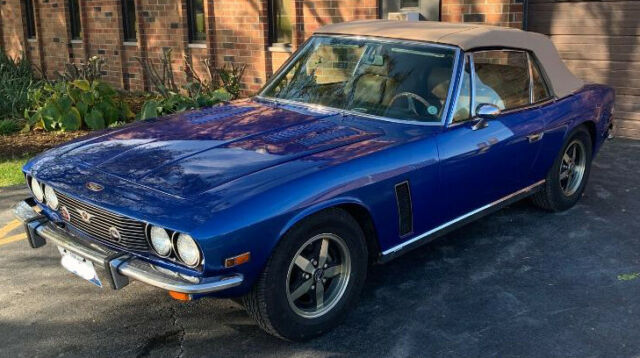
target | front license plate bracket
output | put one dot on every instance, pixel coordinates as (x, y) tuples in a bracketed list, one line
[(79, 266)]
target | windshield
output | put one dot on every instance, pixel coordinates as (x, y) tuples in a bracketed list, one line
[(396, 80)]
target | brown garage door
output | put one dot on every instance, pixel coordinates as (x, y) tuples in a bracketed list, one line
[(600, 42)]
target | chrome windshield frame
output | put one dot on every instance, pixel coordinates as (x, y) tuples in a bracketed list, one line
[(446, 112)]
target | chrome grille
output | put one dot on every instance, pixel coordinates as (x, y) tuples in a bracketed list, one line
[(132, 232)]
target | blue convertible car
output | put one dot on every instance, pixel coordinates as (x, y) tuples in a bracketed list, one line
[(374, 138)]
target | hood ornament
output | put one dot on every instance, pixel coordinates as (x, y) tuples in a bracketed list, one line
[(93, 186)]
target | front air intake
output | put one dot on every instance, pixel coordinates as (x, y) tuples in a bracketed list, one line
[(405, 211)]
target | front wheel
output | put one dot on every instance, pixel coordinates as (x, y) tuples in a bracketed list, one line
[(567, 179), (312, 279)]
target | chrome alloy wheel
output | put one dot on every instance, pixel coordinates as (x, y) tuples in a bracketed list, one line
[(572, 168), (318, 275)]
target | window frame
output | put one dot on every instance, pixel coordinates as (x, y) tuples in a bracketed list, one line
[(417, 7), (30, 20), (75, 27), (273, 26), (126, 22), (458, 58), (192, 24), (467, 61), (533, 61)]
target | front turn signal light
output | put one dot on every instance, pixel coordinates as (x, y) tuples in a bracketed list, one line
[(180, 296), (237, 260)]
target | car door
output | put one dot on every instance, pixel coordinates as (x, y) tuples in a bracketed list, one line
[(482, 161)]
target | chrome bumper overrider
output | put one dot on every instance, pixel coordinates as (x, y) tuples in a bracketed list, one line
[(113, 266)]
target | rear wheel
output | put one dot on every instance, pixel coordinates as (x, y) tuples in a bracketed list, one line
[(568, 177), (312, 279)]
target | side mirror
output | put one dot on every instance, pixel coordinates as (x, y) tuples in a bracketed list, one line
[(485, 112)]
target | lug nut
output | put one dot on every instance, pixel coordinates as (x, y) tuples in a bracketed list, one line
[(313, 287), (315, 263), (324, 280), (306, 276), (325, 266)]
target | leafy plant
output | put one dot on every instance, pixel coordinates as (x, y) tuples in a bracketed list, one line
[(17, 78), (162, 81), (230, 77), (177, 102), (90, 71), (9, 126), (227, 77), (73, 105), (170, 99)]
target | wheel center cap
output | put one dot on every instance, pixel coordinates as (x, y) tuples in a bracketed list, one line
[(318, 274)]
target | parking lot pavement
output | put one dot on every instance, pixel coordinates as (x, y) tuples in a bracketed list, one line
[(518, 283)]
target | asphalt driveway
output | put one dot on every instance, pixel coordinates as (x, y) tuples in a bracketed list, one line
[(518, 283)]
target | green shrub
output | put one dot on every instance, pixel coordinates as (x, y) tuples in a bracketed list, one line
[(73, 105), (177, 102), (90, 71), (17, 78), (228, 77), (9, 126)]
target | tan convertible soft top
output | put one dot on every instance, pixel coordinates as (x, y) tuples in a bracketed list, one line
[(468, 37)]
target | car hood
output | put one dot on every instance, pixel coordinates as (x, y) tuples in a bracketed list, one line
[(189, 153)]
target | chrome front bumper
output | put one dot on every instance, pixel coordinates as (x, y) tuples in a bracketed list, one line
[(113, 266)]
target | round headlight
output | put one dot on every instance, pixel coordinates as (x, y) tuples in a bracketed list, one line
[(36, 189), (187, 250), (160, 240), (51, 197)]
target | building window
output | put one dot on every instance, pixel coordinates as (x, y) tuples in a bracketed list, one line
[(129, 20), (30, 19), (428, 9), (195, 10), (74, 16), (280, 24), (409, 4)]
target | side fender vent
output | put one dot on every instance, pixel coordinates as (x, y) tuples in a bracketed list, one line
[(405, 209)]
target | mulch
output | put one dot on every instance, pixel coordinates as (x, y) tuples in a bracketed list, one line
[(26, 144)]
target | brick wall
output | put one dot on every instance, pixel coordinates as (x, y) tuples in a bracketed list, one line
[(53, 39), (13, 36), (237, 33), (494, 12)]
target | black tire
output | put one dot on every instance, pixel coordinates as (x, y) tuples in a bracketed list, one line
[(268, 303), (552, 197)]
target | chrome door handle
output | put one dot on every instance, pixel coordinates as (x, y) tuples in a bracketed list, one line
[(535, 137)]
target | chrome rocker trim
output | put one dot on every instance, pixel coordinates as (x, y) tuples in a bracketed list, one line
[(449, 226), (115, 267)]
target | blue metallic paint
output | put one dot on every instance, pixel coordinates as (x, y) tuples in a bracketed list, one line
[(236, 177)]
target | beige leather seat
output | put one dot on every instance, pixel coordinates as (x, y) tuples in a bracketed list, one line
[(502, 85), (373, 86), (438, 86)]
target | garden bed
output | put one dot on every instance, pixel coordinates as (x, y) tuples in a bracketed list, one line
[(38, 113), (20, 145), (17, 148)]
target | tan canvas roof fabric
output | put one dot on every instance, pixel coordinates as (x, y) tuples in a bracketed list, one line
[(468, 37)]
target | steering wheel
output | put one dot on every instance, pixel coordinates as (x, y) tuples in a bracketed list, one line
[(411, 98)]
